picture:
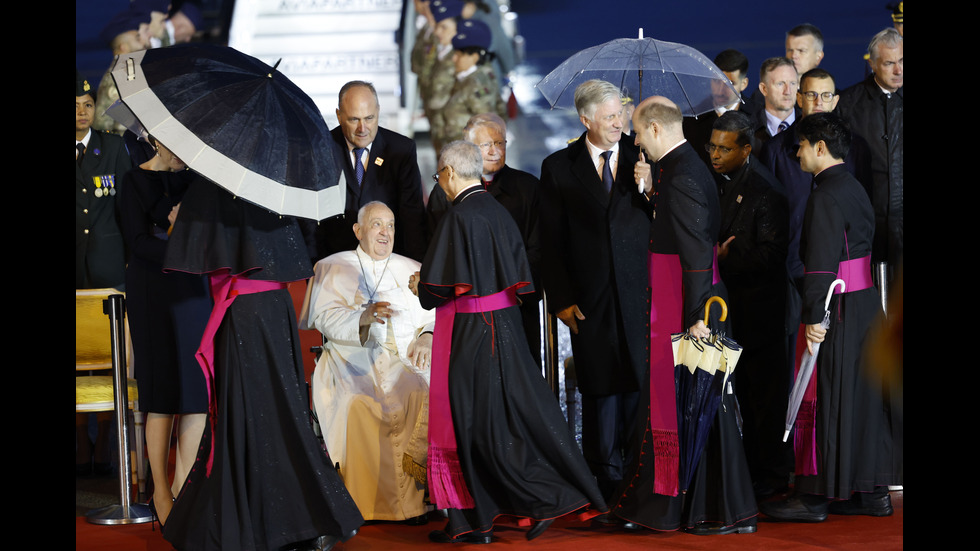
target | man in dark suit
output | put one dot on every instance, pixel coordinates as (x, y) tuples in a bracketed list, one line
[(380, 165), (778, 83), (752, 259), (594, 236), (518, 192)]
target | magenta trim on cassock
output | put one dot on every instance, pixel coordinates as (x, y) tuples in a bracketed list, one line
[(447, 487)]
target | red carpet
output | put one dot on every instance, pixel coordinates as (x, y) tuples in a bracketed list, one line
[(857, 533)]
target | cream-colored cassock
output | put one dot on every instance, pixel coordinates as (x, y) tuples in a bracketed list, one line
[(368, 396)]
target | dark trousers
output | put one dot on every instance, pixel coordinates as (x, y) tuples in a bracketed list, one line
[(608, 423)]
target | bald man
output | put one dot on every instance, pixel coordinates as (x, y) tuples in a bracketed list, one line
[(683, 275)]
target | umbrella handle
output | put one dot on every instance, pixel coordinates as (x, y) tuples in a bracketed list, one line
[(707, 308), (830, 292)]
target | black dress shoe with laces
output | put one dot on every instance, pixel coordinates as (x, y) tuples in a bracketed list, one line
[(718, 529), (797, 508), (864, 504)]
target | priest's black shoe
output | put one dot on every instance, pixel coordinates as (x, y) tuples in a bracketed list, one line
[(538, 528), (864, 504), (797, 508), (718, 529), (440, 536)]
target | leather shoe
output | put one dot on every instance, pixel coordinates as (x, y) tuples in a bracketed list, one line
[(439, 536), (864, 504), (718, 529), (538, 529), (420, 520), (797, 508)]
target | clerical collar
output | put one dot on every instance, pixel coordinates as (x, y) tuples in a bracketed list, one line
[(477, 187), (737, 174), (463, 74), (84, 141), (675, 146)]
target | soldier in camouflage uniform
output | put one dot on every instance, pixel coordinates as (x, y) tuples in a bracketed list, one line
[(441, 75), (476, 90)]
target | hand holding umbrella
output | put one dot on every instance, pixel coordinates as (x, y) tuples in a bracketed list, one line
[(814, 336)]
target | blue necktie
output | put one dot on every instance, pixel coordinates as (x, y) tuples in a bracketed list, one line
[(358, 166), (607, 175)]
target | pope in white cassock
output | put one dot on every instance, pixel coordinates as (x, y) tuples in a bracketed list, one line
[(371, 384)]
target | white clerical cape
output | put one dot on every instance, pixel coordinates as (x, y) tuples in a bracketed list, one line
[(368, 396)]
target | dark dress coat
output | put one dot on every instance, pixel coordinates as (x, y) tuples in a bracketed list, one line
[(760, 127), (879, 119), (594, 247), (518, 192), (755, 212), (855, 451), (392, 176), (99, 251), (754, 270)]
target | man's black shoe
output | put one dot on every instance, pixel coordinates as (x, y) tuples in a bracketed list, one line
[(797, 508), (864, 504)]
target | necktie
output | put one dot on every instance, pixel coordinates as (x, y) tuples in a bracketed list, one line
[(80, 147), (358, 165), (607, 175), (782, 126)]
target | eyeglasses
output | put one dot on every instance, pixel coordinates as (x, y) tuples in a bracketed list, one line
[(711, 148), (826, 97), (435, 177), (487, 145)]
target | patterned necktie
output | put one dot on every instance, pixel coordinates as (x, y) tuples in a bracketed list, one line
[(358, 165), (607, 175), (782, 126), (80, 148)]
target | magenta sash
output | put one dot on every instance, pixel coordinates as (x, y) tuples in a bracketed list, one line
[(856, 274), (447, 487), (224, 289), (666, 318)]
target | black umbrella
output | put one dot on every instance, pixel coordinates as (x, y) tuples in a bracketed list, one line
[(702, 367), (238, 122)]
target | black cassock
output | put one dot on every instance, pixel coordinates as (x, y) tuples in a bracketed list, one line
[(271, 484), (856, 407), (685, 223), (515, 450)]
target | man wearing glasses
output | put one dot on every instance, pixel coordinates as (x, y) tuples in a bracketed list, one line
[(517, 191)]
